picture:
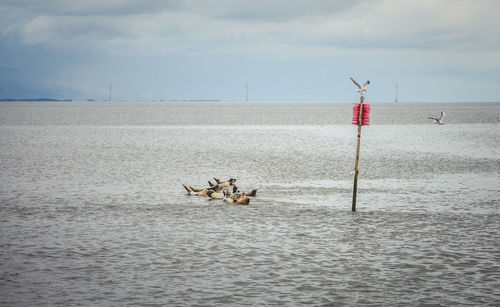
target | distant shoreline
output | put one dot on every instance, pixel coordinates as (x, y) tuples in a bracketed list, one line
[(243, 102), (37, 99)]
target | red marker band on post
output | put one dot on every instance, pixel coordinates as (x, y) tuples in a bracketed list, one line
[(365, 117)]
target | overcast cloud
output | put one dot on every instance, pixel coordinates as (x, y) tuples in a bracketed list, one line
[(446, 50)]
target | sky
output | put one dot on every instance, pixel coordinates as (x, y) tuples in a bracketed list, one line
[(282, 50)]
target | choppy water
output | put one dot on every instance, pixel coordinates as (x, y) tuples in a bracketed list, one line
[(93, 211)]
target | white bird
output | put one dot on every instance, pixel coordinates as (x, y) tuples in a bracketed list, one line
[(439, 120), (361, 89)]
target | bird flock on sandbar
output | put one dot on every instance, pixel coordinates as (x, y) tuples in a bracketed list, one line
[(222, 190)]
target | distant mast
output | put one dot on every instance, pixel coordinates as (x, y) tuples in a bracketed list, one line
[(396, 99), (109, 92), (247, 94)]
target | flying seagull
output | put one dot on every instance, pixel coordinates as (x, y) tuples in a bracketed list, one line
[(361, 89), (439, 120)]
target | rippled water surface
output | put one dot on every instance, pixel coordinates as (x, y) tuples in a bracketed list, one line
[(93, 211)]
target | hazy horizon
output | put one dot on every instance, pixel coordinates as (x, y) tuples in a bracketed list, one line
[(48, 99)]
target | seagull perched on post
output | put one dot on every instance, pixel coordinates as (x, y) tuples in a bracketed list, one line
[(361, 89), (439, 120)]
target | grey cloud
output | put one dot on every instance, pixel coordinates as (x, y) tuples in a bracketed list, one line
[(188, 24), (91, 7), (269, 11)]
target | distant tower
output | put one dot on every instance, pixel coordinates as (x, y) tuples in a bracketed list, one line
[(247, 94), (396, 99), (109, 92)]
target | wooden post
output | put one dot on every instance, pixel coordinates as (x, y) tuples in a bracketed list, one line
[(356, 166)]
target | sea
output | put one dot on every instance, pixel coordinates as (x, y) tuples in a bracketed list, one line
[(93, 211)]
